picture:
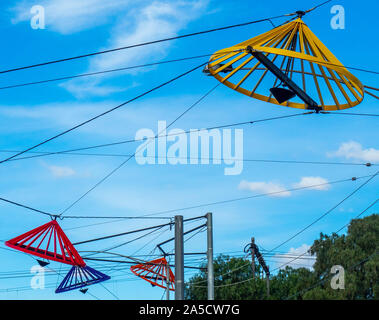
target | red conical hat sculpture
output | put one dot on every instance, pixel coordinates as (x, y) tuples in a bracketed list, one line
[(155, 272), (49, 242)]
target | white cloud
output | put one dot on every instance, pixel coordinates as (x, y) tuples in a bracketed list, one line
[(69, 16), (305, 261), (354, 150), (50, 119), (130, 22), (55, 117), (278, 190), (318, 183), (157, 20), (265, 187), (60, 171), (52, 115), (91, 87)]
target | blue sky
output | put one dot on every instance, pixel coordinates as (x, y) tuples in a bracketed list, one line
[(31, 114)]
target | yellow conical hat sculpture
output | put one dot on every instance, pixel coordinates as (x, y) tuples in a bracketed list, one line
[(299, 54)]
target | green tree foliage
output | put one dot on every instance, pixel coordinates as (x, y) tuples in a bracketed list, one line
[(253, 289), (357, 252), (289, 282)]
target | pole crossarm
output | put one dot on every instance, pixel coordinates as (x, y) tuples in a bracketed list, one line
[(185, 233), (133, 262), (124, 233)]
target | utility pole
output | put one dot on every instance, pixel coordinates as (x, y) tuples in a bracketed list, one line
[(179, 258), (211, 279), (252, 247), (168, 281), (268, 282), (263, 266)]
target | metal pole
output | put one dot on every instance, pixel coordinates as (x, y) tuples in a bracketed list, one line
[(311, 104), (168, 281), (253, 256), (211, 278), (179, 259), (268, 283)]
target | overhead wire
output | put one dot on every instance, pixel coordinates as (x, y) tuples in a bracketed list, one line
[(350, 113), (123, 234), (108, 71), (103, 113), (133, 155), (344, 226), (132, 240), (371, 94), (140, 44), (26, 207), (299, 256), (88, 74), (254, 196), (101, 223), (148, 243), (199, 205), (165, 40), (319, 5), (114, 295), (124, 162), (69, 153), (166, 135), (295, 235), (327, 212), (101, 72), (372, 88), (322, 216), (196, 233), (117, 49), (358, 188), (133, 262), (368, 258), (93, 296)]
